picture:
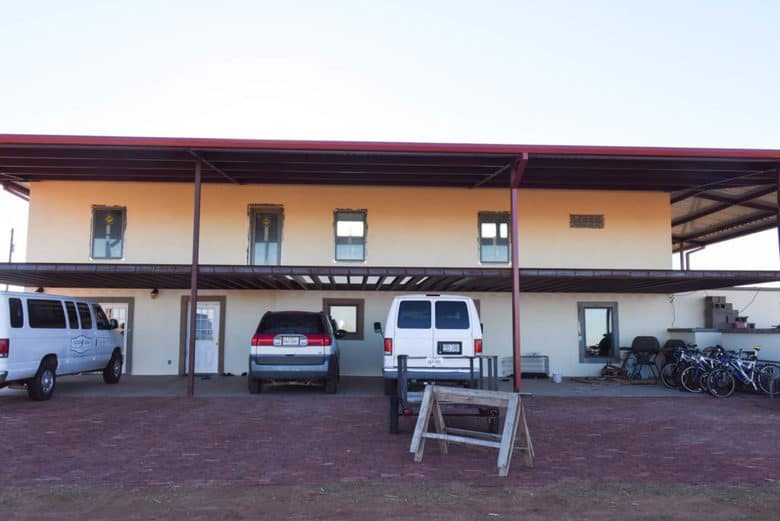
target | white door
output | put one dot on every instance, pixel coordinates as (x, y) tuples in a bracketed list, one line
[(119, 311), (206, 338)]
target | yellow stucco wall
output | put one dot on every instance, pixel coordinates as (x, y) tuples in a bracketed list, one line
[(406, 226)]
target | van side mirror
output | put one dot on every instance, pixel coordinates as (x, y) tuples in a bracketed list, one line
[(378, 327), (113, 324), (340, 333)]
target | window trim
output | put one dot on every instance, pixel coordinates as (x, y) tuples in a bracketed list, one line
[(252, 212), (489, 216), (581, 306), (364, 213), (100, 207), (359, 304)]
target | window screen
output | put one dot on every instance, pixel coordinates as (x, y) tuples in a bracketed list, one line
[(16, 311), (86, 318), (46, 314), (414, 314), (493, 237), (350, 230), (586, 221), (108, 227), (73, 319), (266, 235), (452, 315)]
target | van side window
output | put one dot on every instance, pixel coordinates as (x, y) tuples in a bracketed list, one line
[(86, 319), (451, 315), (73, 320), (46, 314), (414, 314), (17, 312), (101, 319)]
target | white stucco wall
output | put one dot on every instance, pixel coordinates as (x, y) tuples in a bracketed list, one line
[(406, 226)]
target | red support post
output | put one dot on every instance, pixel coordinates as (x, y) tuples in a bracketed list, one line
[(194, 284), (517, 175), (778, 207)]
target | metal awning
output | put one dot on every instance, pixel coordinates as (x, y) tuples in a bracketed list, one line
[(330, 278), (716, 194)]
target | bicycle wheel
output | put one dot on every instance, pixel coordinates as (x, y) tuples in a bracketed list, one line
[(704, 380), (721, 383), (764, 377), (668, 375), (690, 379)]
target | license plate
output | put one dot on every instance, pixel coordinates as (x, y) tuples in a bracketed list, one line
[(291, 341), (449, 348)]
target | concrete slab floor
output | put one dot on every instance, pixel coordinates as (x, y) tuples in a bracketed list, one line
[(353, 386)]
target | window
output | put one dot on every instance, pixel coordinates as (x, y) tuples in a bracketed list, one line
[(350, 234), (17, 312), (73, 319), (101, 319), (598, 331), (347, 314), (493, 237), (46, 314), (297, 322), (414, 314), (108, 230), (266, 235), (451, 315), (86, 317)]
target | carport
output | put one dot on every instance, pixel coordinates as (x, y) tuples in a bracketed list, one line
[(715, 195)]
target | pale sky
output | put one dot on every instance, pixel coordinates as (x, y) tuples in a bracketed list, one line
[(661, 73)]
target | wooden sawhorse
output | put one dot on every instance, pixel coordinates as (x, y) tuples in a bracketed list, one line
[(515, 426)]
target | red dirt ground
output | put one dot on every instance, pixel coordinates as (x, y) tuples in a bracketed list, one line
[(312, 439)]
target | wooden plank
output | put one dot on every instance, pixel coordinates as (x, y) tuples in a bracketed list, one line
[(438, 422), (475, 434), (418, 442), (508, 436), (473, 396), (462, 439), (525, 439)]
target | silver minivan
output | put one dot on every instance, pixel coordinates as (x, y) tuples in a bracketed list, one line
[(43, 337)]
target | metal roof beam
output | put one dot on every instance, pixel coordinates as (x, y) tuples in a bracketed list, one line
[(739, 223), (737, 202), (720, 207), (212, 166)]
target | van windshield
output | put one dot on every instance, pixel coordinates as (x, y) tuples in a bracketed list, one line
[(298, 323), (452, 315), (414, 314)]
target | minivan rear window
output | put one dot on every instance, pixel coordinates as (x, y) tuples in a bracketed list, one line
[(46, 314), (451, 314), (17, 312), (300, 323), (414, 314)]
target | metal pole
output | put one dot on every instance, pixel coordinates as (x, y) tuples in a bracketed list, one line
[(682, 256), (194, 285), (517, 175), (778, 207)]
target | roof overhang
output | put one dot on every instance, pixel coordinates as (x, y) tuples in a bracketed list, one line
[(328, 278), (716, 194)]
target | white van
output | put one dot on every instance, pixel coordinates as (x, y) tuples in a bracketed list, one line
[(46, 336), (440, 334)]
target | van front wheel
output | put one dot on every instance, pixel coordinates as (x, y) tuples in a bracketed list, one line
[(113, 371), (41, 387)]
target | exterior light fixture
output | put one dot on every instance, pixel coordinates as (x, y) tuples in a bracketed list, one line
[(154, 293), (39, 290)]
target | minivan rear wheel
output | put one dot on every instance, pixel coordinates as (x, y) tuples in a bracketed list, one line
[(41, 387)]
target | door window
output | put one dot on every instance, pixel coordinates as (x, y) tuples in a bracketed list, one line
[(86, 317), (266, 242), (452, 315), (414, 314)]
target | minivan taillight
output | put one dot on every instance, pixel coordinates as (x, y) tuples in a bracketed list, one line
[(263, 340), (319, 340), (477, 345), (388, 346), (4, 344)]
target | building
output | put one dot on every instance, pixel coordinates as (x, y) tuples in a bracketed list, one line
[(344, 226)]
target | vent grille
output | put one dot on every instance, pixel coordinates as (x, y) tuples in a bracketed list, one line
[(586, 220)]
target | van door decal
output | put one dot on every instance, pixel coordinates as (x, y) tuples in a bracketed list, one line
[(79, 345)]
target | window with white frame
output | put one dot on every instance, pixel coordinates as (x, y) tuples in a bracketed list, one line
[(350, 235), (493, 237)]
